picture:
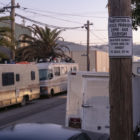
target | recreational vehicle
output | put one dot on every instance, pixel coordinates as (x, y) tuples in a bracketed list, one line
[(19, 83), (53, 77)]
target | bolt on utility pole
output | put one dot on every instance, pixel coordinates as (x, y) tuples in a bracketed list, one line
[(120, 84), (88, 38)]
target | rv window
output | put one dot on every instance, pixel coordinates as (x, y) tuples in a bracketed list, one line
[(43, 74), (7, 79), (17, 77), (74, 69), (50, 74), (57, 71), (32, 75), (63, 70)]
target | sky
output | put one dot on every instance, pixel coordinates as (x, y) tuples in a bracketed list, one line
[(70, 13)]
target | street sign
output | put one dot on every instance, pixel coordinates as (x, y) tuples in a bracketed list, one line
[(120, 37)]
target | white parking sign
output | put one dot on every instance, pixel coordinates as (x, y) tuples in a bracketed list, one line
[(120, 36)]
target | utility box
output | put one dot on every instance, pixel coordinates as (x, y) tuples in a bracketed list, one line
[(88, 100)]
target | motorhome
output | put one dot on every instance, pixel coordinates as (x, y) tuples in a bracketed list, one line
[(88, 100), (53, 77), (19, 83)]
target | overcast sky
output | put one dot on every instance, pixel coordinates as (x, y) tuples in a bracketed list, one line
[(69, 13)]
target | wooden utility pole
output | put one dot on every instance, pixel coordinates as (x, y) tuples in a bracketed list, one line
[(88, 61), (13, 28), (121, 121), (88, 38)]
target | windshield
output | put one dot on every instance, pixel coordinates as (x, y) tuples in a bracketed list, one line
[(43, 74)]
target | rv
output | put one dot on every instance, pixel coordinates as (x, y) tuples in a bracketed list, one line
[(53, 77), (19, 83), (88, 100)]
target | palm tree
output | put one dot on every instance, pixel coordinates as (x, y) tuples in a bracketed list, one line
[(5, 37), (135, 14), (5, 34), (44, 44)]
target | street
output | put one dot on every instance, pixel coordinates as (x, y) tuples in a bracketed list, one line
[(50, 110)]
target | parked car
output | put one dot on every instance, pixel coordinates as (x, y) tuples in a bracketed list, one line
[(33, 131)]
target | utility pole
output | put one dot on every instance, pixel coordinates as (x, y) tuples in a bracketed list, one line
[(120, 52), (13, 28), (12, 17), (88, 38)]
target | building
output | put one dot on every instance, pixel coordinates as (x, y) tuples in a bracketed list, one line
[(99, 57), (99, 60), (19, 30), (6, 53)]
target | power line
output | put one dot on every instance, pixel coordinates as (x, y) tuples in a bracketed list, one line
[(44, 24), (100, 30), (95, 30), (64, 14), (45, 15), (98, 37)]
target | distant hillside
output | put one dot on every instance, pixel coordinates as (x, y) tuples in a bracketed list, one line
[(79, 47)]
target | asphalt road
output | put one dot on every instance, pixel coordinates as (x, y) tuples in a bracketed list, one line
[(50, 110)]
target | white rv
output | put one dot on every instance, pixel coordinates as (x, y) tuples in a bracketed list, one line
[(53, 77), (19, 83), (88, 100)]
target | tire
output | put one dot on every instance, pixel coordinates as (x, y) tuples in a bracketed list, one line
[(24, 101)]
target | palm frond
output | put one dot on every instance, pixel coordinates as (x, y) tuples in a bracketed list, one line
[(43, 44)]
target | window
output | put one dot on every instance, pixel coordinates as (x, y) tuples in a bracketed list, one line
[(32, 75), (74, 68), (63, 70), (50, 74), (17, 77), (57, 71), (43, 74), (8, 79)]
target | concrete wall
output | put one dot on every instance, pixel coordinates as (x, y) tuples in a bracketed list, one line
[(102, 61), (99, 60)]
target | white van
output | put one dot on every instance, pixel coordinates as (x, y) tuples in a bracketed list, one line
[(19, 83), (88, 100), (53, 77)]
